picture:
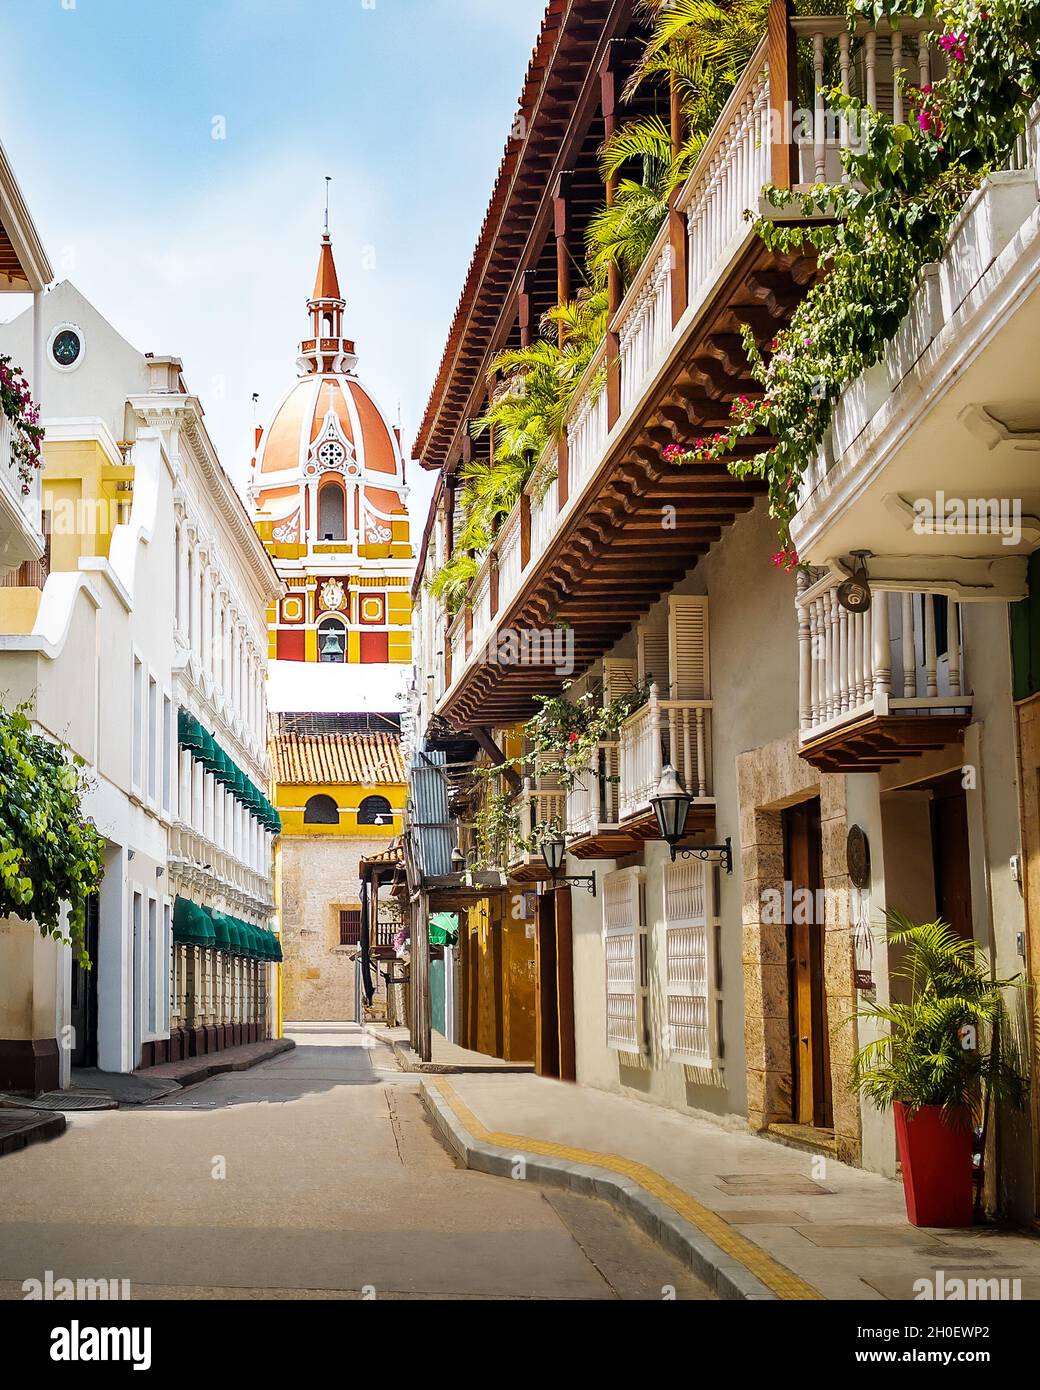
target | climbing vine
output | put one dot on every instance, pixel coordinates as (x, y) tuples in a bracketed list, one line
[(568, 732), (906, 184), (17, 404), (51, 856)]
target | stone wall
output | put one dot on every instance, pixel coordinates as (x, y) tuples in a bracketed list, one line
[(317, 877)]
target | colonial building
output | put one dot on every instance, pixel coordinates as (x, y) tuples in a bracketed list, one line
[(826, 754), (340, 787), (330, 496), (138, 638)]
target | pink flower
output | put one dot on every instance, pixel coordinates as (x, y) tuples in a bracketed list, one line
[(673, 451)]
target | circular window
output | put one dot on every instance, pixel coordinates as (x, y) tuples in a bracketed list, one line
[(331, 454), (66, 347)]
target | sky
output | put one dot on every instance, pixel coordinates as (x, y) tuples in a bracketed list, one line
[(173, 153)]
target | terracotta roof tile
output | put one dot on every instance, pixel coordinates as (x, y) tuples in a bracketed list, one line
[(347, 758)]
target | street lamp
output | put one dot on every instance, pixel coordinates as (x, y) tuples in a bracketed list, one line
[(554, 852), (671, 803)]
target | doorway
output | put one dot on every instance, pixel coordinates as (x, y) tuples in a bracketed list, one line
[(950, 854), (554, 987), (83, 1008), (810, 1038)]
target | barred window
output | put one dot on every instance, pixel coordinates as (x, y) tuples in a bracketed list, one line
[(350, 926)]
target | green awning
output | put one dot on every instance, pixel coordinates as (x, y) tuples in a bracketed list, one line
[(444, 929), (192, 924), (206, 750), (221, 929), (235, 931)]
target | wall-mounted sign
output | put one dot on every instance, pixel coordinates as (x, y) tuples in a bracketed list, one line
[(857, 857)]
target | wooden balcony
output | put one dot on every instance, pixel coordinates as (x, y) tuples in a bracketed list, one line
[(542, 802), (676, 732), (594, 829), (880, 685)]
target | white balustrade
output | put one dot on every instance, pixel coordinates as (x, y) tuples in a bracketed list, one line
[(664, 731), (508, 547), (592, 802), (645, 323), (541, 489), (903, 655), (542, 802), (587, 428), (729, 175), (481, 601)]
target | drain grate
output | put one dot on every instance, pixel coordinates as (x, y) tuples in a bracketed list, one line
[(72, 1100)]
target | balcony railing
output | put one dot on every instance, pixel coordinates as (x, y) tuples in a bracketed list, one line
[(592, 803), (20, 536), (664, 731), (903, 656), (737, 160), (541, 802)]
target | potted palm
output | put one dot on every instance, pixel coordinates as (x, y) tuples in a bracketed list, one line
[(944, 1052)]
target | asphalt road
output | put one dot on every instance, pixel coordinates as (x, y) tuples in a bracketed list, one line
[(315, 1175)]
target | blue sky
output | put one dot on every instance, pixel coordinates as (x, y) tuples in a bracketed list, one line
[(206, 247)]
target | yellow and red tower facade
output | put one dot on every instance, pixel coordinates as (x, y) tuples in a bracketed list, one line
[(329, 494)]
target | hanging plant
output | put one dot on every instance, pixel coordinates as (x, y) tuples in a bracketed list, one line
[(51, 855), (568, 732), (18, 406), (496, 826)]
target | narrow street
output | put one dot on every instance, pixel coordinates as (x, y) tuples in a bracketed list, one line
[(314, 1175)]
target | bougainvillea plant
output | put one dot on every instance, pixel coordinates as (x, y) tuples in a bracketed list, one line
[(906, 184), (567, 732), (17, 404), (51, 855)]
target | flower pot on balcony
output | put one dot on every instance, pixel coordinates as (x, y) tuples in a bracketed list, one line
[(935, 1151)]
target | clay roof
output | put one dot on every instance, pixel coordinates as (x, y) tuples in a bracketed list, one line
[(344, 758)]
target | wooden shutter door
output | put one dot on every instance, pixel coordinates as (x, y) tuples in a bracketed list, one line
[(624, 956), (691, 996), (688, 647)]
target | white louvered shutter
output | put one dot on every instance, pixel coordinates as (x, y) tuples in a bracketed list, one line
[(688, 647), (620, 677), (652, 648), (692, 996), (624, 956)]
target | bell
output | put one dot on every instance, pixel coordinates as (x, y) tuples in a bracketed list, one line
[(331, 647)]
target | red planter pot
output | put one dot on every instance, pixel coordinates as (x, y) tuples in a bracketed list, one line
[(936, 1158)]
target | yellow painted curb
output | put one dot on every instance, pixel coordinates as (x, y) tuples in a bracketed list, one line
[(775, 1276)]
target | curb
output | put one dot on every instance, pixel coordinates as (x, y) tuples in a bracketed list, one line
[(727, 1277), (410, 1061), (211, 1065), (35, 1128)]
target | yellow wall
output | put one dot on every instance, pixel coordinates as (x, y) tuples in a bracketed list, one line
[(87, 494), (291, 801)]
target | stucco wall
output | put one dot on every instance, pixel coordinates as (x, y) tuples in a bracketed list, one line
[(753, 643), (318, 875)]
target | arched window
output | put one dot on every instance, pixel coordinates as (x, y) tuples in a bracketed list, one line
[(326, 323), (375, 810), (321, 810), (332, 640), (332, 511)]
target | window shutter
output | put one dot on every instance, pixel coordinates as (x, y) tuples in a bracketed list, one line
[(688, 647), (652, 647), (624, 955), (692, 997), (620, 677)]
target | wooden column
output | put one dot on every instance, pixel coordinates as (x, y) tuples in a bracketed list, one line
[(564, 986), (525, 529), (449, 516), (783, 94), (493, 584), (608, 100), (561, 223), (562, 473), (677, 236), (524, 308)]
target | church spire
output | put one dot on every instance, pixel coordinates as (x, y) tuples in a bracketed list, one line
[(327, 350)]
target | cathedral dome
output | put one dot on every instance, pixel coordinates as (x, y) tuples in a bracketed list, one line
[(328, 466)]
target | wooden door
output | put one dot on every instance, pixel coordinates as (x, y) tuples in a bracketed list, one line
[(950, 855), (83, 1006), (810, 1040), (546, 1037), (1028, 712)]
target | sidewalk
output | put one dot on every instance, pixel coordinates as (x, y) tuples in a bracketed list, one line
[(754, 1218), (447, 1057), (20, 1128)]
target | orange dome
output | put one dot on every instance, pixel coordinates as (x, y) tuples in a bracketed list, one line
[(327, 421)]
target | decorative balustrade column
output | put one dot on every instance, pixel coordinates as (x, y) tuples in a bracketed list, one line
[(804, 654), (882, 649)]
